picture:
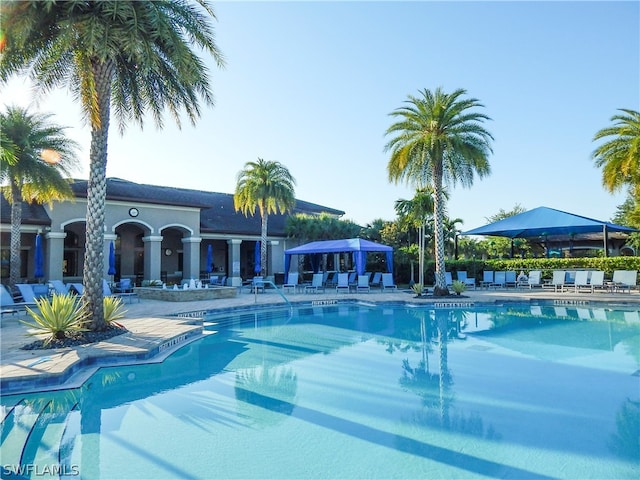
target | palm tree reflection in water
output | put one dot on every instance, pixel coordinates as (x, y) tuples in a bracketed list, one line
[(435, 389)]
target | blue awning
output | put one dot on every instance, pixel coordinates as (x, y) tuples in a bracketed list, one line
[(544, 221)]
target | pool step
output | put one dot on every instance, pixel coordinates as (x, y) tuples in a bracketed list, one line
[(16, 428)]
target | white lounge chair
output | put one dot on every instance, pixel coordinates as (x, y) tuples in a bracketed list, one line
[(581, 281), (535, 279), (292, 282), (363, 284), (557, 281), (461, 275), (343, 283), (624, 280), (316, 284), (387, 282), (597, 281)]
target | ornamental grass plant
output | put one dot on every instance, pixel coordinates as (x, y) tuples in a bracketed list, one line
[(58, 317)]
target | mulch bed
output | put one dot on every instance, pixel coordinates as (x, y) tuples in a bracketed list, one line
[(77, 338)]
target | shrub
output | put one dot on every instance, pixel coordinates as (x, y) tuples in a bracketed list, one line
[(57, 317), (458, 286), (113, 309)]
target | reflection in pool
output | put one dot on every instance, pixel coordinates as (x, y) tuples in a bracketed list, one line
[(355, 391)]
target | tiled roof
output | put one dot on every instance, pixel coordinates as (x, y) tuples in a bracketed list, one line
[(217, 213)]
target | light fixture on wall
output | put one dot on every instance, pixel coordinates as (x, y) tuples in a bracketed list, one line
[(168, 251)]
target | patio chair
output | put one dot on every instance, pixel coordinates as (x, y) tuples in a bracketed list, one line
[(597, 281), (343, 283), (624, 280), (376, 281), (387, 282), (510, 279), (487, 279), (9, 305), (353, 279), (123, 286), (257, 284), (76, 288), (29, 294), (316, 284), (461, 275), (448, 279), (292, 282), (213, 280), (499, 279), (129, 295), (363, 284), (557, 281), (59, 287), (535, 279), (581, 281)]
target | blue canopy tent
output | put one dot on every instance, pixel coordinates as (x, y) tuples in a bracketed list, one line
[(547, 222), (358, 246)]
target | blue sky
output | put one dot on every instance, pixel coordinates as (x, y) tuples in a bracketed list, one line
[(311, 85)]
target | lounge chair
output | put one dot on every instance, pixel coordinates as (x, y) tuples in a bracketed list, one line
[(510, 279), (448, 279), (30, 294), (343, 283), (597, 281), (123, 286), (387, 282), (376, 281), (363, 284), (581, 281), (292, 282), (461, 275), (316, 284), (557, 281), (499, 279), (624, 280), (353, 279), (59, 287), (487, 279), (535, 279), (76, 288), (9, 305)]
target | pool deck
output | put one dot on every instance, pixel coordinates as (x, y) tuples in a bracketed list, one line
[(155, 331)]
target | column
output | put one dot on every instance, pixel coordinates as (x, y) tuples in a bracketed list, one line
[(234, 262), (54, 256), (191, 257), (152, 256), (276, 258), (108, 238)]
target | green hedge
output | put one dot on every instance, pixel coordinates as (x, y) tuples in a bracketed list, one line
[(547, 265)]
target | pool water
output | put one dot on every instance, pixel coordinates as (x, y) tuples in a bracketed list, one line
[(354, 391)]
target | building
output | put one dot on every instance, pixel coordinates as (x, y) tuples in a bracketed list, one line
[(159, 233)]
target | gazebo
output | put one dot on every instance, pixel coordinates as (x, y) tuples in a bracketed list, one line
[(551, 225), (358, 246)]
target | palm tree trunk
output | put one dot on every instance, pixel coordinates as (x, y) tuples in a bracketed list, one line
[(96, 197), (438, 224), (15, 262), (263, 244)]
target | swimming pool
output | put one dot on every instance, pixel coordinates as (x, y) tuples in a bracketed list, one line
[(355, 391)]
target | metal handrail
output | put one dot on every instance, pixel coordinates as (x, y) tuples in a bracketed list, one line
[(269, 282)]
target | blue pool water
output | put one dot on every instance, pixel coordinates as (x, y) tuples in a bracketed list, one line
[(354, 391)]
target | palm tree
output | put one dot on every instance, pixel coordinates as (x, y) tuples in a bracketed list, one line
[(438, 139), (619, 157), (33, 170), (132, 56), (268, 186), (416, 212)]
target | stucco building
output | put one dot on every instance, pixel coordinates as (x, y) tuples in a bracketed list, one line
[(159, 233)]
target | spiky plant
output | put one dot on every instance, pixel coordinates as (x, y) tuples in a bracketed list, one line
[(58, 317), (113, 309)]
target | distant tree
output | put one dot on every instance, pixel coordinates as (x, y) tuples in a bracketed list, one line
[(438, 139), (308, 228), (34, 170), (269, 187), (130, 57)]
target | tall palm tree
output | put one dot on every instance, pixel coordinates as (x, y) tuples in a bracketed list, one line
[(267, 186), (438, 139), (619, 156), (34, 171), (132, 56)]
